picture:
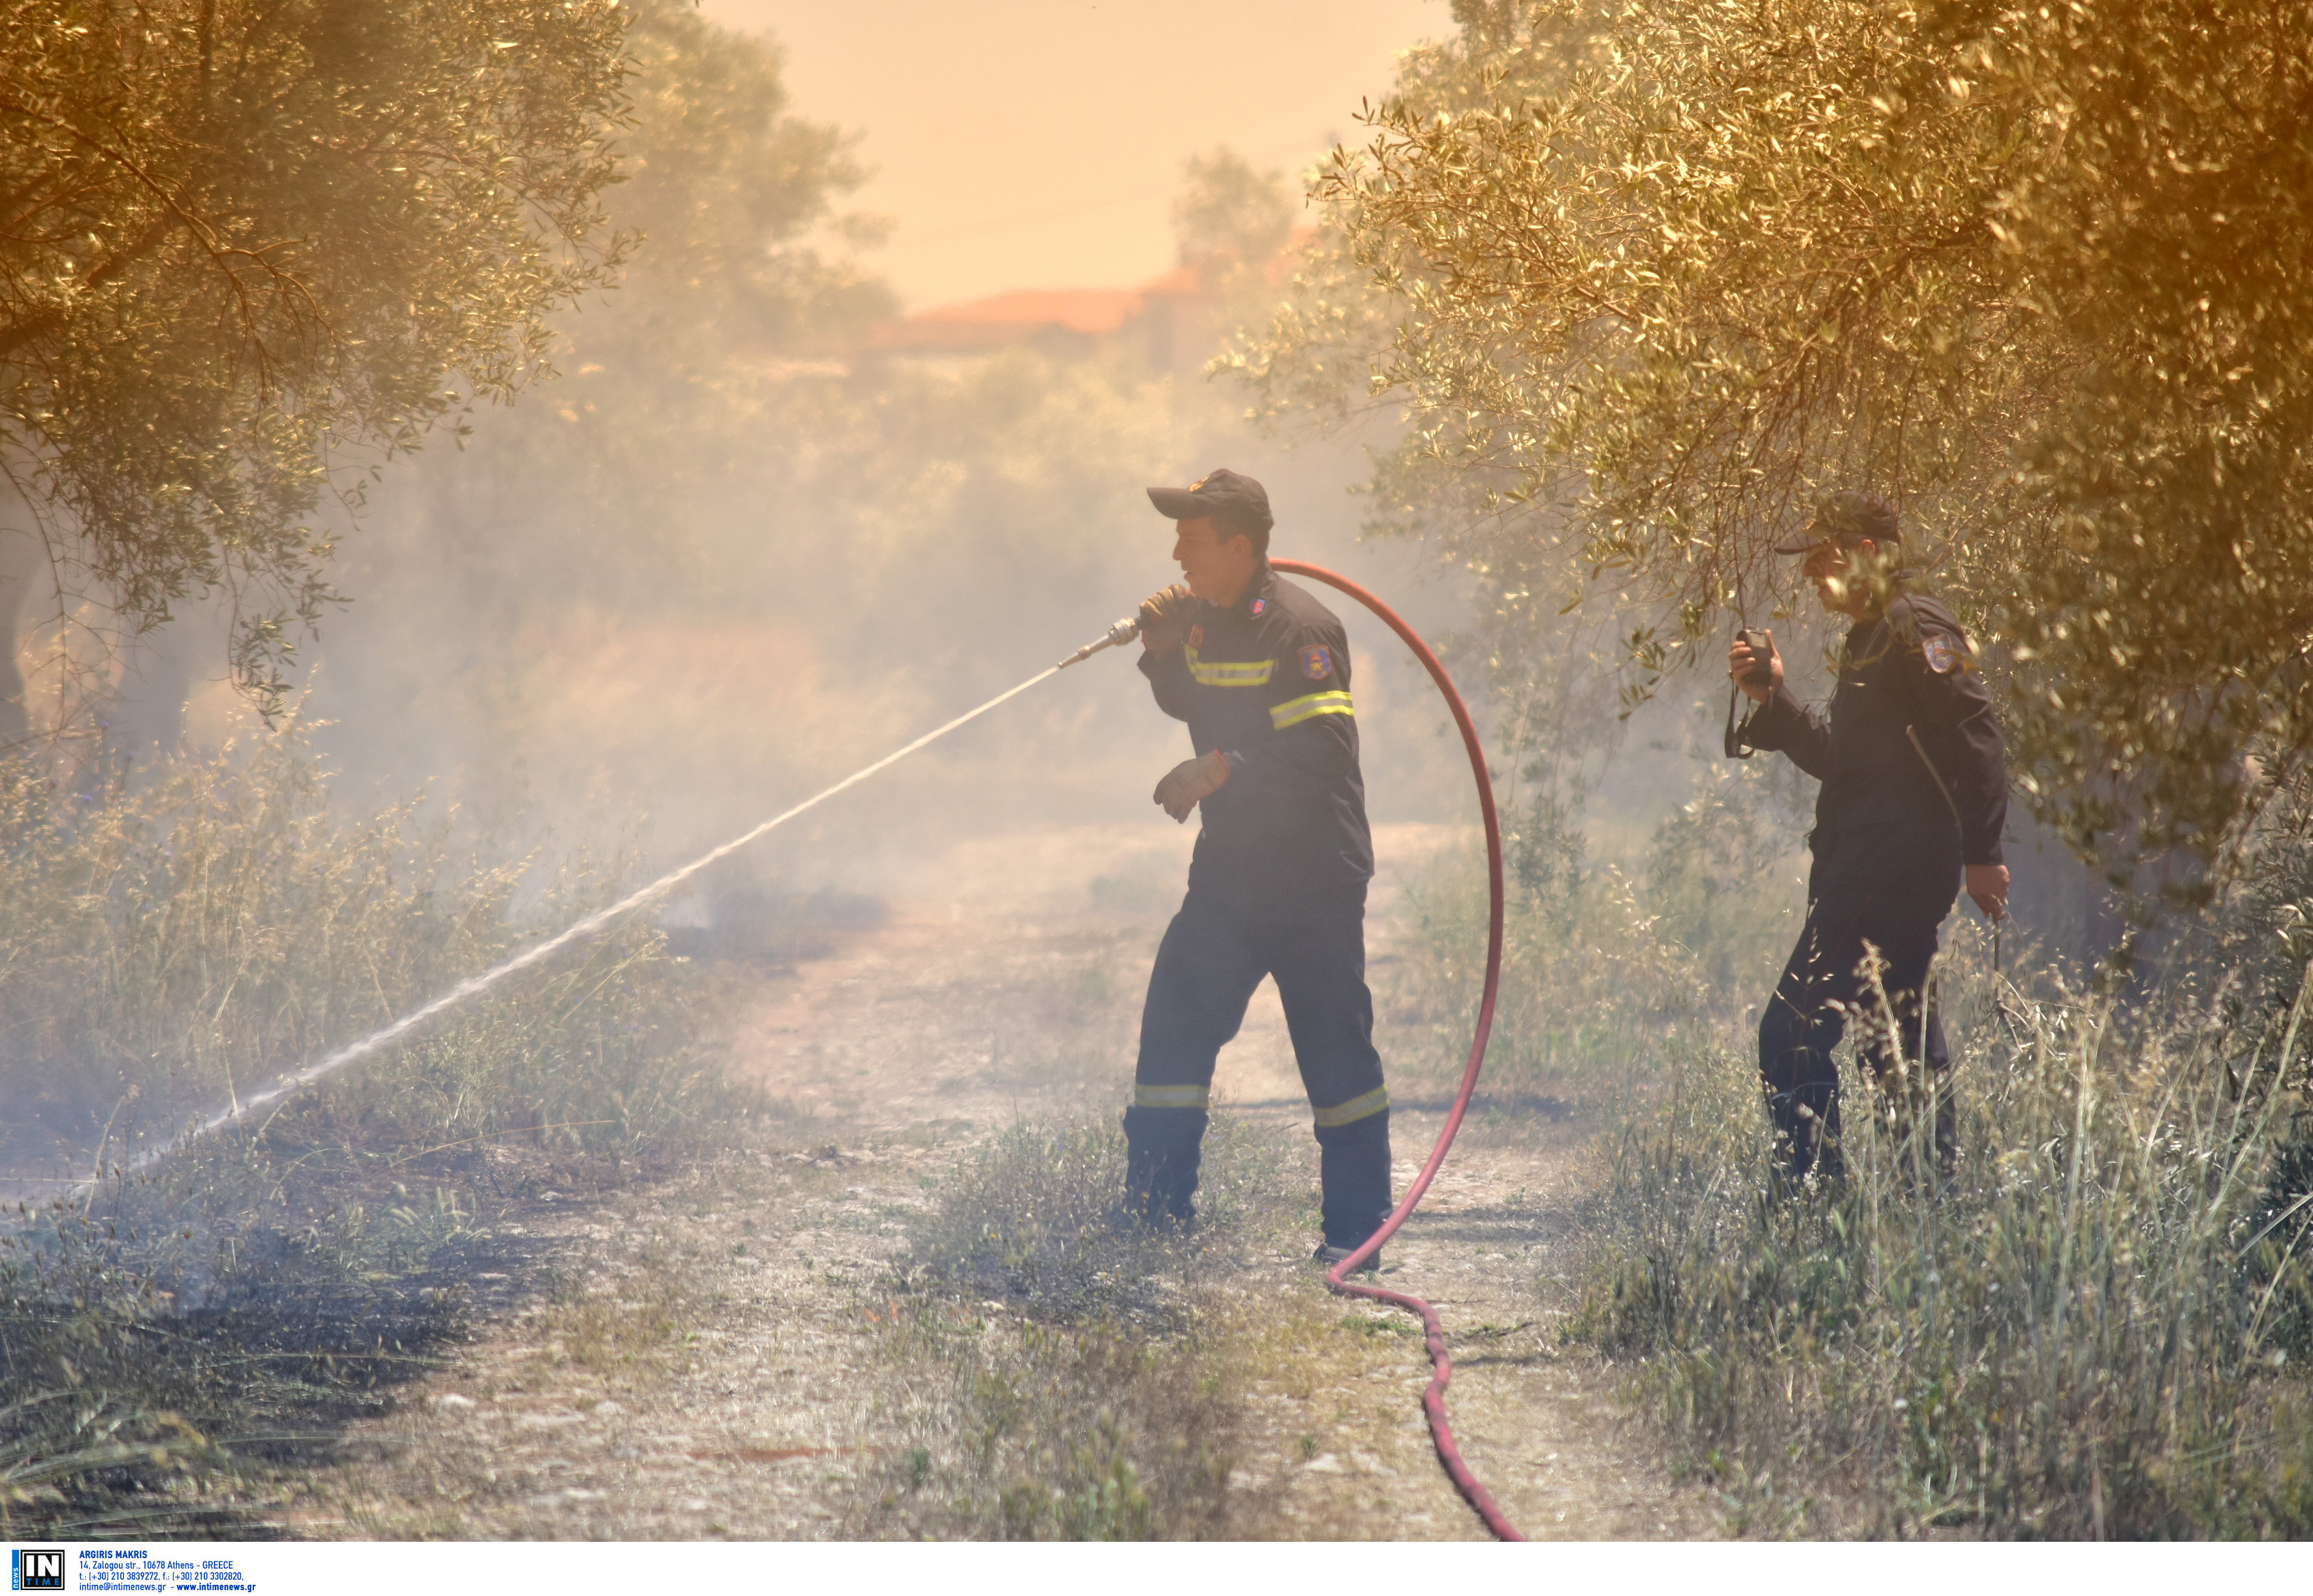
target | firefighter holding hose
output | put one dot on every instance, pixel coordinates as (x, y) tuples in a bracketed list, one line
[(1914, 799), (1260, 671)]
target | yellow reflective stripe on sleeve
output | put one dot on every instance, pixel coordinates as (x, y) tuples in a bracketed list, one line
[(1294, 711), (1172, 1097), (1356, 1108), (1230, 673)]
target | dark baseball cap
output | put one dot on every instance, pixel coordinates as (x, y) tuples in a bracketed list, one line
[(1222, 494), (1847, 516)]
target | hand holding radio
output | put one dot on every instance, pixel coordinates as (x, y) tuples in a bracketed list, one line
[(1754, 664)]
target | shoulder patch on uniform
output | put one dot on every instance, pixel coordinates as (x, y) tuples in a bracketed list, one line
[(1944, 655), (1260, 607), (1196, 637), (1317, 662)]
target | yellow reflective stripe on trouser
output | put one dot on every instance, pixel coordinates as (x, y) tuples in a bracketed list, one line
[(1172, 1097), (1356, 1108), (1294, 711), (1230, 673)]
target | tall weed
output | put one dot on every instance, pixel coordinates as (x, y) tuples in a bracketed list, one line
[(2099, 1328), (2081, 1336), (1599, 955), (167, 951), (1072, 1375)]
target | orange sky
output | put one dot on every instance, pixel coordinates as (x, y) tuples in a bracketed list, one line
[(1039, 143)]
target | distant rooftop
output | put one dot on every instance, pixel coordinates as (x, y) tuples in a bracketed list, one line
[(1174, 318), (1063, 319)]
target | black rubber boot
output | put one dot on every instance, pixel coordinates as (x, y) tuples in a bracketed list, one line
[(1936, 1164), (1821, 1100), (1353, 1161), (1807, 1134), (1163, 1148)]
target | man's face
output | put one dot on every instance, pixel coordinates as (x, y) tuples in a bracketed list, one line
[(1216, 563), (1834, 569)]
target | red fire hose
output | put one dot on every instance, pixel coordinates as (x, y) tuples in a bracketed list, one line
[(1433, 1400)]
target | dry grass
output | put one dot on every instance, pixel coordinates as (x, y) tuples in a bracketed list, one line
[(1063, 1377), (1600, 957), (2101, 1329), (634, 1321), (174, 1335), (2085, 1335)]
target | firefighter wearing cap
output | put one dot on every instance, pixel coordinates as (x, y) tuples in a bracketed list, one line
[(1260, 671), (1914, 800)]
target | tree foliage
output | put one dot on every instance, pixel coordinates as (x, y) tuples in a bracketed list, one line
[(1649, 277), (691, 392), (725, 552), (1230, 213), (241, 236), (734, 198)]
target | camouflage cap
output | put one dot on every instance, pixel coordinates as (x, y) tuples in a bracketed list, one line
[(1847, 516)]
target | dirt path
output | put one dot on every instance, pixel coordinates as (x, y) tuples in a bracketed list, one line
[(709, 1364)]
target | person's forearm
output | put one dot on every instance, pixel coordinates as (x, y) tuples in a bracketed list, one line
[(1168, 682), (1784, 726)]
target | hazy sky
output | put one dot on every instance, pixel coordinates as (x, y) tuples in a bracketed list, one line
[(1038, 144)]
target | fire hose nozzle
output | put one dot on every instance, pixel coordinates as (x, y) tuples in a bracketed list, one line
[(1123, 631)]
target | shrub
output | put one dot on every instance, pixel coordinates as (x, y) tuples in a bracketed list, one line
[(2083, 1335)]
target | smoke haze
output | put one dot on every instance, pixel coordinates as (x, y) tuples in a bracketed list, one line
[(734, 551)]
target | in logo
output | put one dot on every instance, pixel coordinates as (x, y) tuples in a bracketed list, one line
[(35, 1571)]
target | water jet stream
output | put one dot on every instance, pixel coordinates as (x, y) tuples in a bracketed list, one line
[(474, 986), (1337, 1278)]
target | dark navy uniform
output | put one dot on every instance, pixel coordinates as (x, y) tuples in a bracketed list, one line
[(1914, 778), (1277, 888)]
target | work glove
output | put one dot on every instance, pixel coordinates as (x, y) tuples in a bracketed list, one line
[(1191, 782), (1165, 619)]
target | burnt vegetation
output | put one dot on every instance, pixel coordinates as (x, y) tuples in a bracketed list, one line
[(178, 1333)]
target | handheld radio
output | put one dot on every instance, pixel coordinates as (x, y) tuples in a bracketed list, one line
[(1762, 672)]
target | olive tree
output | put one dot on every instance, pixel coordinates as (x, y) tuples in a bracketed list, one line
[(1229, 213), (1646, 278), (246, 245), (687, 400)]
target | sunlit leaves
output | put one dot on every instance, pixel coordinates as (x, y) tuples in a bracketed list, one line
[(1648, 277), (237, 239)]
